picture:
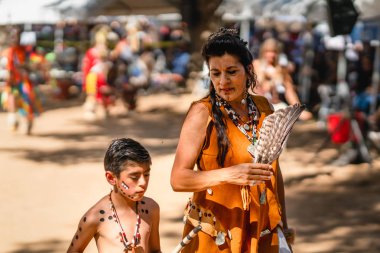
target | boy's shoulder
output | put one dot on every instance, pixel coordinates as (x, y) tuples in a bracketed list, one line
[(98, 212), (149, 201), (150, 204)]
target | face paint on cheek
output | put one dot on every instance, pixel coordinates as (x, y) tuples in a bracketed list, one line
[(124, 187), (127, 192), (122, 192)]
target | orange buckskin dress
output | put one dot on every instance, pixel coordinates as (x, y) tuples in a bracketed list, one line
[(219, 210)]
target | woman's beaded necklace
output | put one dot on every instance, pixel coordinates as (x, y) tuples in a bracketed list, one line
[(236, 119), (136, 237)]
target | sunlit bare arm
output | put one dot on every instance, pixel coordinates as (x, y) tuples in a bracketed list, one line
[(184, 178)]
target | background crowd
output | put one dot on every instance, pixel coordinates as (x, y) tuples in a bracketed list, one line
[(117, 59)]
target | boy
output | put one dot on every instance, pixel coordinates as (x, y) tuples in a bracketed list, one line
[(124, 220)]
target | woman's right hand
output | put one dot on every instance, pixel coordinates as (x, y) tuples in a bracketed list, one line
[(248, 173)]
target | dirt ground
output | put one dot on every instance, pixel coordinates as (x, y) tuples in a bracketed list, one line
[(48, 180)]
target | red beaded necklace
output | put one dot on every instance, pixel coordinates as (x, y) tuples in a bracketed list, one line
[(136, 237)]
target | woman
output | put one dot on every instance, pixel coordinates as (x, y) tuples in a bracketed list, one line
[(215, 136), (274, 80)]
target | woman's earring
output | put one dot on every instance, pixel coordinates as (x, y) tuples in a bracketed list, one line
[(244, 100)]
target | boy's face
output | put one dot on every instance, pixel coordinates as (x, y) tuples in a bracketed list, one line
[(133, 180)]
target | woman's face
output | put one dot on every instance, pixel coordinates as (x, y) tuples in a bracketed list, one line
[(270, 55), (228, 77)]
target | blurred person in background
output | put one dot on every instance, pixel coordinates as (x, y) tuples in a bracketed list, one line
[(274, 80), (95, 70), (20, 97), (99, 94), (180, 62), (129, 72), (92, 54)]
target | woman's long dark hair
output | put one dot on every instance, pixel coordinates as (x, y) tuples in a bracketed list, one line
[(219, 43)]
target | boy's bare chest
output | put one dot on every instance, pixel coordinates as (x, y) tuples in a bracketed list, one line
[(116, 233)]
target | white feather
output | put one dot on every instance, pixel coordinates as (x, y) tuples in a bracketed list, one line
[(274, 133)]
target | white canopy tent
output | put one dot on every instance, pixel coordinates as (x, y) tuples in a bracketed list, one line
[(93, 8), (51, 11), (313, 10), (27, 12)]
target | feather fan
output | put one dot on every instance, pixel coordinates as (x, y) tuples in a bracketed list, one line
[(274, 133)]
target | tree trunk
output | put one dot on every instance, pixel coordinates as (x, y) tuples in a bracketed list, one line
[(199, 16)]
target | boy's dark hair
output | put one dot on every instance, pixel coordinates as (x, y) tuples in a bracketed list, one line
[(124, 150)]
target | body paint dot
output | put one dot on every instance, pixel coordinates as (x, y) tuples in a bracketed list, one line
[(110, 217), (146, 211), (102, 219), (84, 219), (76, 237), (142, 202), (101, 211), (80, 229)]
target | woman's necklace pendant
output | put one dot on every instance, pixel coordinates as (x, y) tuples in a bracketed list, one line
[(246, 127), (220, 238), (263, 197)]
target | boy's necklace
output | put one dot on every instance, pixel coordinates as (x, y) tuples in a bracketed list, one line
[(136, 237)]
